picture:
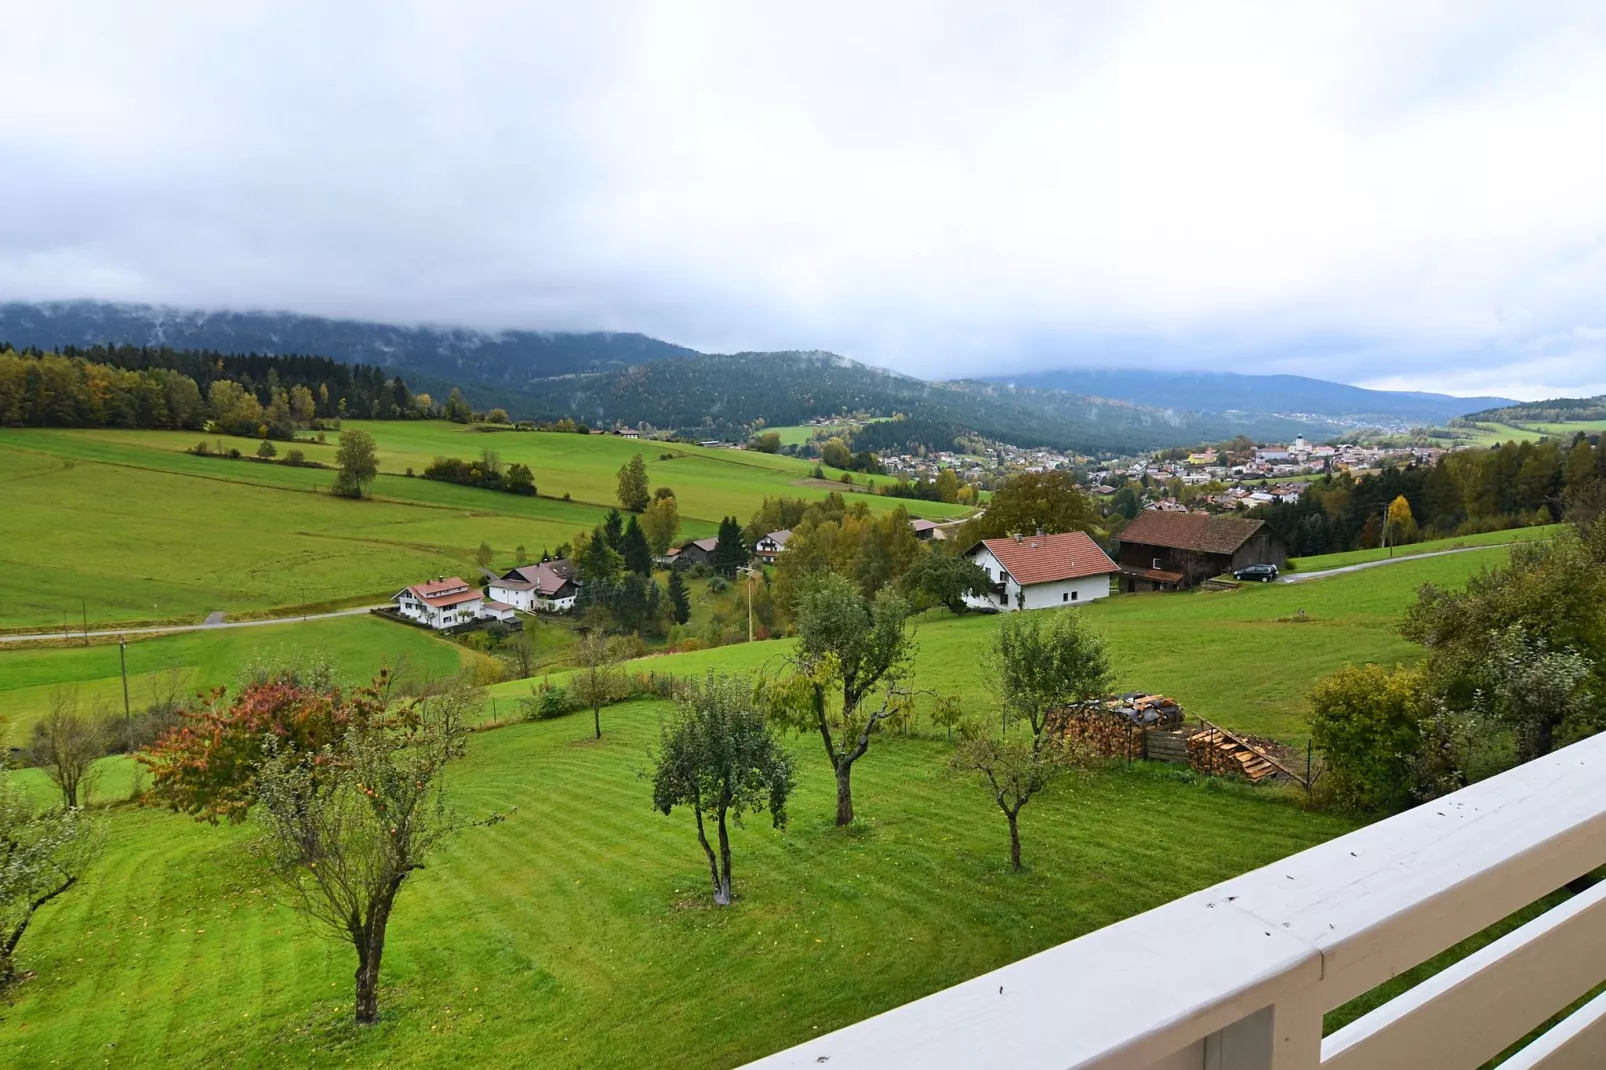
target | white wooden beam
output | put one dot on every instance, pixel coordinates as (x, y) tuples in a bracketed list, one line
[(1577, 1042)]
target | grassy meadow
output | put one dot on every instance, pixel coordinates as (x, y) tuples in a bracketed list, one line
[(1323, 562), (357, 646), (1243, 659), (127, 527), (578, 933)]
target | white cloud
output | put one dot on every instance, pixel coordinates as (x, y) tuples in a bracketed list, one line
[(950, 189)]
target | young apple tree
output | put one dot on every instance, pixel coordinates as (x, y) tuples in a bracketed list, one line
[(720, 758)]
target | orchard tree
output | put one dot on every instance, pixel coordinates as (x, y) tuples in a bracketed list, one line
[(633, 491), (597, 681), (43, 853), (1048, 500), (484, 555), (66, 745), (357, 463), (1538, 692), (1039, 664), (720, 758), (852, 656), (344, 826), (944, 579)]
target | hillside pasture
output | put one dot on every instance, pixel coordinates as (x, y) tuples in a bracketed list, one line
[(579, 933), (127, 526), (1324, 562), (357, 647), (1243, 659)]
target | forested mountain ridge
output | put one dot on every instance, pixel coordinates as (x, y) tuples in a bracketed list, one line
[(1232, 392), (1555, 410), (460, 355)]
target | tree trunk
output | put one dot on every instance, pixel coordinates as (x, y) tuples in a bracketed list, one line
[(713, 861), (370, 941), (844, 794), (596, 714), (1014, 841), (722, 885)]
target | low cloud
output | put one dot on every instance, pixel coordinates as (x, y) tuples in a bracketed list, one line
[(1367, 192)]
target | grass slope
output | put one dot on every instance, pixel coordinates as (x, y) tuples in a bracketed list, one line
[(127, 525), (577, 933), (1244, 659), (1323, 562), (357, 646)]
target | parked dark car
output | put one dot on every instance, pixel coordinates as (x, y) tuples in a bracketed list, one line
[(1263, 573)]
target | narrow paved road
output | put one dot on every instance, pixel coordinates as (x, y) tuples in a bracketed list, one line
[(1301, 577), (208, 626)]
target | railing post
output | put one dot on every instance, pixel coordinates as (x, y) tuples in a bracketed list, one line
[(1285, 1036)]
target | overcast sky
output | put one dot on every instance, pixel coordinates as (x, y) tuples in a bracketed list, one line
[(1395, 194)]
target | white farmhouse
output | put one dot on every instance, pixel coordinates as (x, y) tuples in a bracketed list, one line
[(1041, 571), (447, 603), (548, 586)]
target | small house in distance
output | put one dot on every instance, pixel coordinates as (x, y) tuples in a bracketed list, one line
[(1041, 571), (698, 552), (548, 586), (925, 529), (1165, 551), (768, 548), (449, 602)]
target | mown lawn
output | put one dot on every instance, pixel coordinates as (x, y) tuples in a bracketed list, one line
[(1244, 659), (578, 932), (356, 646), (1322, 562)]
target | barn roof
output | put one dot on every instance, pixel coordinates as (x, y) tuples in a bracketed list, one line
[(1202, 532), (1046, 558)]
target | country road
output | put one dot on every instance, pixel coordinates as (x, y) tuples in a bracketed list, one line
[(1302, 577), (166, 628)]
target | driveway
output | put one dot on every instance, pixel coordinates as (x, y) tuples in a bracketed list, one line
[(1302, 577)]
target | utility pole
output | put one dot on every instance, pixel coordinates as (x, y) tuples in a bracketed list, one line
[(749, 571), (128, 716)]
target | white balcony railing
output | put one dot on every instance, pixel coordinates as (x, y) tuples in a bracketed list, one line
[(1238, 976)]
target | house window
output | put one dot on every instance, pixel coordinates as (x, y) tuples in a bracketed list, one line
[(1065, 598), (1074, 594)]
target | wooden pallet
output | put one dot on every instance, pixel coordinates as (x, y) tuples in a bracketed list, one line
[(1228, 754)]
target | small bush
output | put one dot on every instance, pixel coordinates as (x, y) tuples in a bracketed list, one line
[(295, 459), (547, 701)]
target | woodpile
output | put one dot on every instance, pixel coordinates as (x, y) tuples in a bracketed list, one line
[(1217, 753), (1113, 727)]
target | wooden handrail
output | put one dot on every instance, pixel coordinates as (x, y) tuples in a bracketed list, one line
[(1245, 743)]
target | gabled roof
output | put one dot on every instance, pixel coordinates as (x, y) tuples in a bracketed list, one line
[(778, 537), (1201, 532), (1048, 558), (440, 586), (706, 545), (547, 578), (922, 525)]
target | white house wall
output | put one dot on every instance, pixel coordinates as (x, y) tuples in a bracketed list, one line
[(1058, 593)]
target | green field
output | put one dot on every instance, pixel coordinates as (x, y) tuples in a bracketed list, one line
[(1244, 659), (125, 526), (578, 934), (357, 646), (1322, 562), (1572, 427)]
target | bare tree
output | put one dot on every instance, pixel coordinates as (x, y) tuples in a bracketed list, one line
[(66, 745), (523, 653), (597, 682), (42, 855), (344, 827)]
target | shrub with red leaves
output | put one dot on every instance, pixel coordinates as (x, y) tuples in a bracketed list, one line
[(206, 766)]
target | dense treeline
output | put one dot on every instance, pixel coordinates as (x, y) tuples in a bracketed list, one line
[(1468, 491), (144, 387), (487, 472), (1555, 410)]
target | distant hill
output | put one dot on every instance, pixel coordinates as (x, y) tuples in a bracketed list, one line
[(631, 378), (447, 353), (1229, 392)]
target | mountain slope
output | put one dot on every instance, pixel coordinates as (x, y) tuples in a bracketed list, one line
[(1555, 410), (447, 353), (1222, 392)]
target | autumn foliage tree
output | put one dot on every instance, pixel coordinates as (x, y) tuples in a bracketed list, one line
[(207, 765)]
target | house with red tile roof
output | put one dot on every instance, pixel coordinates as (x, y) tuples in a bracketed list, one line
[(1041, 571), (449, 602)]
